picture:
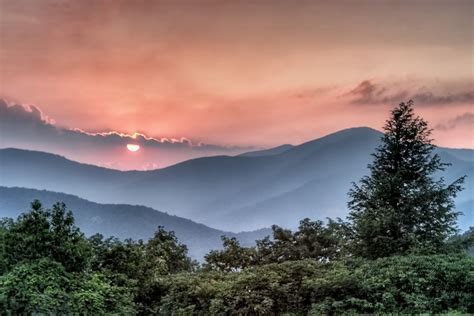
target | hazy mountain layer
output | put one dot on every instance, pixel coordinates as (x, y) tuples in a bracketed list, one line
[(277, 186), (123, 221)]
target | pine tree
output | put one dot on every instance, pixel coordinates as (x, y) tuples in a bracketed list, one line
[(402, 205)]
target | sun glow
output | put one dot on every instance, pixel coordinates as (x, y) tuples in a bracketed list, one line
[(133, 147)]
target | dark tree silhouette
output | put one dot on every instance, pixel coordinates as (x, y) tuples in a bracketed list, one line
[(402, 206)]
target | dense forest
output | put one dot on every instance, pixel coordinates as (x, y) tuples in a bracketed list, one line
[(397, 251)]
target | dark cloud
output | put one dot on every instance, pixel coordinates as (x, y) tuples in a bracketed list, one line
[(365, 91), (368, 92), (466, 119), (430, 98), (17, 118), (26, 126), (25, 114)]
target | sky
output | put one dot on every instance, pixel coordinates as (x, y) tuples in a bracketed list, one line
[(197, 78)]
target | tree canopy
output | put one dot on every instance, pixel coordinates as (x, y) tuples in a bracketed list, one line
[(48, 266), (403, 205)]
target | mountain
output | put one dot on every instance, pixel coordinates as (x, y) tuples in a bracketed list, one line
[(231, 193), (267, 152), (463, 154), (123, 221)]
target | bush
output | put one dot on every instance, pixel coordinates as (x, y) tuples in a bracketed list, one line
[(420, 284), (44, 287)]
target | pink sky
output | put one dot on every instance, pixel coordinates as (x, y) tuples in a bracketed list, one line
[(240, 73)]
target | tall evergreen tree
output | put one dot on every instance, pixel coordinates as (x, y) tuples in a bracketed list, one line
[(402, 205)]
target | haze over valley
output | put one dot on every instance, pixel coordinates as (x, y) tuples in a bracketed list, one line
[(232, 193)]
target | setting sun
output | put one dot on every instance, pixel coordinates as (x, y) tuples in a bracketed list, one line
[(133, 147)]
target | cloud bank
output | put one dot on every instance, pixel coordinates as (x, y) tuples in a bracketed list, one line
[(26, 126), (466, 119), (369, 92)]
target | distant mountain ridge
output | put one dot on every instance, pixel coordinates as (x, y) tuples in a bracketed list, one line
[(123, 221), (268, 152), (245, 192)]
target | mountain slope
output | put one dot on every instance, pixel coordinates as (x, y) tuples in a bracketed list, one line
[(123, 221), (230, 193), (267, 152)]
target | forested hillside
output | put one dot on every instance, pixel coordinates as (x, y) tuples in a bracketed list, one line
[(124, 221)]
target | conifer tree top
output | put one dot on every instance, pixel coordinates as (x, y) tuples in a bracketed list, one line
[(403, 204)]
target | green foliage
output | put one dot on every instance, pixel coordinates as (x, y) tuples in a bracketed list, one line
[(134, 264), (95, 295), (43, 233), (263, 289), (312, 240), (232, 258), (461, 243), (165, 255), (44, 286), (47, 266), (409, 284), (4, 224), (39, 286), (156, 277), (400, 206), (116, 257)]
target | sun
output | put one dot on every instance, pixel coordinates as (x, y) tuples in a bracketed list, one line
[(133, 147)]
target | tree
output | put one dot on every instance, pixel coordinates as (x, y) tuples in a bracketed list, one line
[(37, 286), (43, 233), (4, 225), (166, 255), (48, 266), (402, 206), (312, 240), (116, 257), (322, 242), (232, 258), (463, 243), (43, 286), (433, 284)]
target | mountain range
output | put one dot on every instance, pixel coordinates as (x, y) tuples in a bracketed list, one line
[(124, 221), (233, 193)]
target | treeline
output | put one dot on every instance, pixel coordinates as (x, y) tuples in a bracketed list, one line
[(48, 266), (397, 252)]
